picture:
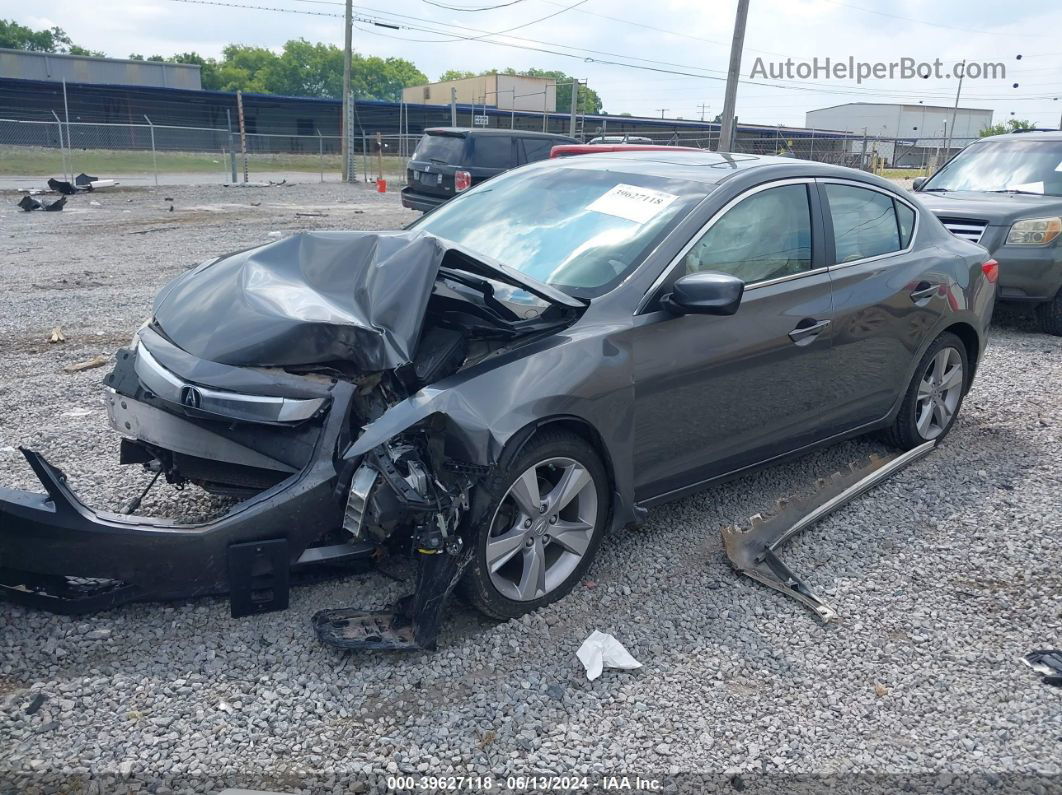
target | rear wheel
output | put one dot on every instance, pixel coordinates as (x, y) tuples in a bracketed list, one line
[(544, 520), (934, 396), (1050, 316)]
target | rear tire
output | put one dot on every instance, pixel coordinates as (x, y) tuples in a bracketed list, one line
[(1049, 315), (934, 396), (544, 514)]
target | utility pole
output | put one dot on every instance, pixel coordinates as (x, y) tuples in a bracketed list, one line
[(348, 44), (575, 103), (663, 111), (726, 131), (954, 111), (704, 108)]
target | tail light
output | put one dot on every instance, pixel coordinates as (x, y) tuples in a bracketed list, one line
[(991, 270), (462, 181)]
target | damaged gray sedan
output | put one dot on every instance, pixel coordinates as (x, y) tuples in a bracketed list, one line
[(493, 389)]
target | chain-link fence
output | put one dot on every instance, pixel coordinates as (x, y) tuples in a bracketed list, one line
[(167, 154)]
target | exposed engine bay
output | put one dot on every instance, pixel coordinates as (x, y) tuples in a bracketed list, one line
[(260, 370)]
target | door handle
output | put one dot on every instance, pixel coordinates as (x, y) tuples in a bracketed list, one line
[(924, 290), (807, 330)]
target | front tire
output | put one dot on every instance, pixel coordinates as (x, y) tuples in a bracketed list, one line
[(934, 396), (544, 515), (1049, 315)]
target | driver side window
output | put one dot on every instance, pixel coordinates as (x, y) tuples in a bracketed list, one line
[(766, 236)]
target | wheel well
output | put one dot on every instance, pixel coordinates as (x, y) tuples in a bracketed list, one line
[(577, 426), (968, 335)]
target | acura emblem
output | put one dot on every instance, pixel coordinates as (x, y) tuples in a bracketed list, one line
[(191, 397)]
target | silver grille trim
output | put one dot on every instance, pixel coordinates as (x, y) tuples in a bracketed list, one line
[(967, 228), (231, 405)]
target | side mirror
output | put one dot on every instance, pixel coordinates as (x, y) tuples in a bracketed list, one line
[(705, 293), (918, 183)]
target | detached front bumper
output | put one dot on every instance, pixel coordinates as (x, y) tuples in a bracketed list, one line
[(45, 539)]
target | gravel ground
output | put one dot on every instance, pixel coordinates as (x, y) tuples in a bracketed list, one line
[(944, 577)]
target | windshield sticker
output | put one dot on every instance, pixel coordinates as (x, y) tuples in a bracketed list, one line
[(632, 203), (1028, 187), (1059, 166)]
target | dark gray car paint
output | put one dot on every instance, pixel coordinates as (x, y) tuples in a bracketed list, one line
[(1026, 273), (603, 372), (602, 369)]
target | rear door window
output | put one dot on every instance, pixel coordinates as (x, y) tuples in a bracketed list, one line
[(440, 149), (535, 149), (864, 223), (492, 151)]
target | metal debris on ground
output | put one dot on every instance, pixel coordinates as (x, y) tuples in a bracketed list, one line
[(600, 650), (56, 206), (57, 334), (88, 364), (753, 549), (83, 180), (1047, 662)]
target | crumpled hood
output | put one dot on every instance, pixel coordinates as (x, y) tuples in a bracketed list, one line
[(310, 298)]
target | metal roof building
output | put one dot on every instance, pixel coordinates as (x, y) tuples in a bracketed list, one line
[(26, 65)]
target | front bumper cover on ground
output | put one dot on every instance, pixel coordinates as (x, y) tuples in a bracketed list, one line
[(45, 539)]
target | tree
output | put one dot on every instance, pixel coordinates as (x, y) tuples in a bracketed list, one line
[(455, 74), (14, 36), (1012, 125)]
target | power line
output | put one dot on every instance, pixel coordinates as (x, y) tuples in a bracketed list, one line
[(807, 87), (481, 8), (935, 24)]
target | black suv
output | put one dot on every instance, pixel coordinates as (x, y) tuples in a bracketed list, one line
[(449, 160), (1005, 192)]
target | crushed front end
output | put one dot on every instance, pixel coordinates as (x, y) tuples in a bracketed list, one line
[(256, 379)]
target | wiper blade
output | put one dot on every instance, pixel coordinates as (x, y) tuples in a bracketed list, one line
[(1011, 190), (934, 190)]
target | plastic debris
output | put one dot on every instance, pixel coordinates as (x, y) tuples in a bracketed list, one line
[(600, 650), (59, 186), (29, 204), (83, 180), (1047, 662), (57, 335)]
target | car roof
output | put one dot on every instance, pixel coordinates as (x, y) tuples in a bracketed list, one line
[(1032, 135), (704, 166), (494, 131)]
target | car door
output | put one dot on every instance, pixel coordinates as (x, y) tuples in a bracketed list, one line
[(888, 298), (714, 394)]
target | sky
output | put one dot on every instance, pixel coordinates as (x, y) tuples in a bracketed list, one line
[(660, 37)]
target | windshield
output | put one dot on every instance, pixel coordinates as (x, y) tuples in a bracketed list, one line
[(440, 148), (1021, 166), (581, 230)]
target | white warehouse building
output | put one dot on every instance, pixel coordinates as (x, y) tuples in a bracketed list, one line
[(916, 134)]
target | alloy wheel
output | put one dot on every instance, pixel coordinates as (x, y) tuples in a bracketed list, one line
[(939, 393), (542, 529)]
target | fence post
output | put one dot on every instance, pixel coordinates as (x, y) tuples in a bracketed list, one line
[(232, 145), (66, 111), (62, 150), (243, 132), (320, 152), (154, 155)]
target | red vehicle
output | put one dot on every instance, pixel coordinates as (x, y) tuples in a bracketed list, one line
[(567, 150)]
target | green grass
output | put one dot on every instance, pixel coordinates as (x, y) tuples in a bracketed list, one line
[(903, 173), (39, 161)]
